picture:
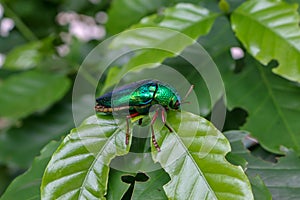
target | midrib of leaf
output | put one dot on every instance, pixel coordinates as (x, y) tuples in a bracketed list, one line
[(95, 160), (198, 169), (277, 107), (189, 156), (269, 28)]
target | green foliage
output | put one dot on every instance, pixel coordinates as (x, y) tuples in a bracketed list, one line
[(286, 169), (80, 166), (28, 184), (185, 153), (126, 185), (271, 25), (133, 11), (29, 55), (275, 113), (39, 128), (30, 91), (196, 162), (152, 50)]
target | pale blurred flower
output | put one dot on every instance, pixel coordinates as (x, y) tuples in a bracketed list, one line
[(83, 27), (237, 53), (101, 17), (85, 31), (63, 50), (6, 25)]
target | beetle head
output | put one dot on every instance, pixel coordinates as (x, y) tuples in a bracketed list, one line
[(174, 103)]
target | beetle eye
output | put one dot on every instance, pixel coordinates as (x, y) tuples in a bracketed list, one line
[(174, 105)]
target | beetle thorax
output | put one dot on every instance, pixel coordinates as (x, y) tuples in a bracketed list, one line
[(166, 97)]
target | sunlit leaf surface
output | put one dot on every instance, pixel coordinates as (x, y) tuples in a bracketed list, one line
[(270, 30), (272, 103), (80, 166), (30, 91), (194, 157)]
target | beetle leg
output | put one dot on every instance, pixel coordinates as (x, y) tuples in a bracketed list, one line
[(170, 129), (152, 130), (127, 130), (127, 126), (163, 118)]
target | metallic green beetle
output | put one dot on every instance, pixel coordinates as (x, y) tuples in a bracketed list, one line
[(136, 99)]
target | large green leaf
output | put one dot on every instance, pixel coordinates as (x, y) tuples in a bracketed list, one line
[(27, 186), (153, 188), (34, 133), (130, 165), (25, 93), (260, 191), (281, 178), (80, 166), (158, 37), (116, 187), (269, 30), (272, 102), (29, 55), (146, 189), (130, 12), (194, 157)]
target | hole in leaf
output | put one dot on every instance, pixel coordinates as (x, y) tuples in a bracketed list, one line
[(128, 179), (273, 63), (141, 177), (235, 119)]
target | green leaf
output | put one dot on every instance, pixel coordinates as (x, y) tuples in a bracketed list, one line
[(29, 55), (27, 185), (281, 178), (194, 157), (153, 188), (130, 12), (131, 165), (153, 38), (34, 133), (272, 103), (80, 166), (30, 91), (148, 189), (116, 187), (259, 188), (270, 30)]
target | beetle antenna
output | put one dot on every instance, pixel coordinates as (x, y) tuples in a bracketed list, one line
[(187, 94), (186, 102)]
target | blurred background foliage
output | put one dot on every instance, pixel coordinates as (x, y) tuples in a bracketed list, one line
[(44, 42)]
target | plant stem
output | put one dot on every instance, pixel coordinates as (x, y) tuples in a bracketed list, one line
[(26, 32)]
